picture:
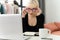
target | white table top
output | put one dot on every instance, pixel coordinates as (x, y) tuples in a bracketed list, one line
[(54, 37), (34, 38), (31, 37)]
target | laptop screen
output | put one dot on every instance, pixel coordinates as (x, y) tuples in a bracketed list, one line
[(11, 25)]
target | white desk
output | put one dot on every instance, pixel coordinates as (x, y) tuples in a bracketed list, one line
[(54, 37), (32, 38)]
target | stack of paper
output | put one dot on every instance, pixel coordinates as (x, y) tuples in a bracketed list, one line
[(29, 33)]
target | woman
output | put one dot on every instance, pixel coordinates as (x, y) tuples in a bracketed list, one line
[(32, 17)]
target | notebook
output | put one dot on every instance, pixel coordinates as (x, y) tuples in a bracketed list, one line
[(29, 33), (11, 26)]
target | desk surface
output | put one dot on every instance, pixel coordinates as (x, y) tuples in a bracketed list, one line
[(31, 38), (54, 37)]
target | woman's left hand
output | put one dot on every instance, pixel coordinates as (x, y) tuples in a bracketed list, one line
[(39, 11)]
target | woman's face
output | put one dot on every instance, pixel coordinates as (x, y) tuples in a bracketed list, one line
[(31, 9)]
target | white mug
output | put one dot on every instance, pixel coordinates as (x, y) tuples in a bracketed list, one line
[(44, 33)]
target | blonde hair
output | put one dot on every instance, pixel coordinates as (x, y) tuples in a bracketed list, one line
[(33, 3)]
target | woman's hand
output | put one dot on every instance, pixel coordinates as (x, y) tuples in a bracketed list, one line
[(39, 11), (23, 13)]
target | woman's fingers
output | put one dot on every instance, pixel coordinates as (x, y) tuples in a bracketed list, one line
[(23, 13), (39, 11)]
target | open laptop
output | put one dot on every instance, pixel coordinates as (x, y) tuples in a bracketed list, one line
[(11, 26)]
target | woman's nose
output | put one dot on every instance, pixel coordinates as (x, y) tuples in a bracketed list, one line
[(31, 11)]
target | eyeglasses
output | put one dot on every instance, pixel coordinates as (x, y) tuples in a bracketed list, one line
[(33, 9)]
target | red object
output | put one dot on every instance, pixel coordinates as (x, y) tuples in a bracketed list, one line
[(54, 27)]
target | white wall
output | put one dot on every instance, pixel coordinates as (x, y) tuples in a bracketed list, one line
[(52, 11)]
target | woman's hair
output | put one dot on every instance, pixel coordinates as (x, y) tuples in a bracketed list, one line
[(34, 3)]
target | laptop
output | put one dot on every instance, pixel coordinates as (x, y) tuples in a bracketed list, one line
[(11, 26)]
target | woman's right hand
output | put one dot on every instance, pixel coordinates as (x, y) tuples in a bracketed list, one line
[(23, 13)]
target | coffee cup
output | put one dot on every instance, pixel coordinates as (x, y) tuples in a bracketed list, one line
[(44, 33)]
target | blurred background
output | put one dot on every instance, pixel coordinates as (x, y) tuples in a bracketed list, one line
[(50, 8)]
